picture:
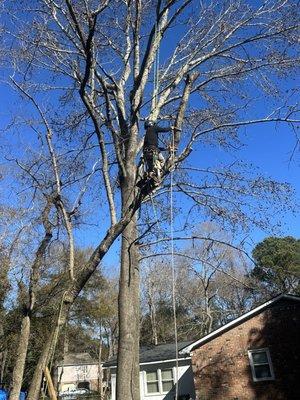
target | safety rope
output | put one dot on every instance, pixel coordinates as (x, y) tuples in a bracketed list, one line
[(174, 308), (155, 97), (173, 270)]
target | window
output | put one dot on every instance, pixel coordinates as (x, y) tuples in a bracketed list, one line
[(261, 365), (152, 382), (166, 379), (159, 381)]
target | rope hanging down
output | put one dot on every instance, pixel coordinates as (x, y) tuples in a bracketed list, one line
[(173, 272), (174, 308), (155, 98)]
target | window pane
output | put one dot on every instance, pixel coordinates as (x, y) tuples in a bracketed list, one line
[(152, 387), (166, 375), (152, 376), (262, 371), (260, 357), (167, 386)]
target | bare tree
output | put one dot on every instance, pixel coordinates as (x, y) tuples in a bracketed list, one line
[(12, 239), (86, 67), (18, 371), (5, 264), (212, 284), (156, 295)]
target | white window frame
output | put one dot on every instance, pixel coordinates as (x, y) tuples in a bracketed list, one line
[(146, 384), (166, 380), (252, 364), (160, 382)]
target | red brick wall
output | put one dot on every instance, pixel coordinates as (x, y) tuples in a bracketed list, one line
[(221, 367)]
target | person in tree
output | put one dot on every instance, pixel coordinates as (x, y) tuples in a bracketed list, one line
[(153, 158)]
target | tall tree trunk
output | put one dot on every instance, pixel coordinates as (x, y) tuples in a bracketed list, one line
[(3, 358), (19, 367), (75, 287), (3, 353), (18, 371), (48, 350), (55, 377), (129, 304), (129, 289)]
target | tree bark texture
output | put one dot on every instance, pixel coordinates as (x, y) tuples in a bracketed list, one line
[(19, 367), (18, 371), (129, 304), (48, 350), (3, 358), (3, 354)]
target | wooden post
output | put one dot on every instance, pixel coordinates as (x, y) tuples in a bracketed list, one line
[(51, 390)]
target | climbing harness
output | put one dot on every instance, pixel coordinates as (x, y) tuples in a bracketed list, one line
[(151, 158)]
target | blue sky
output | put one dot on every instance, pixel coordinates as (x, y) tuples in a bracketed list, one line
[(268, 146)]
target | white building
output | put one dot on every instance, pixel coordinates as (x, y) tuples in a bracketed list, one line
[(158, 373), (77, 371)]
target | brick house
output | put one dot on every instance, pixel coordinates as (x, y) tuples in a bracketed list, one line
[(254, 357)]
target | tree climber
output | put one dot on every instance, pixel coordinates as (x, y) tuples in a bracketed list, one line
[(153, 159)]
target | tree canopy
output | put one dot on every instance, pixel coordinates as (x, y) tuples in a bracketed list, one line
[(86, 75), (278, 264)]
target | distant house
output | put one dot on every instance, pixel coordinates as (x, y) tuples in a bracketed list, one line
[(254, 357), (77, 371), (158, 373)]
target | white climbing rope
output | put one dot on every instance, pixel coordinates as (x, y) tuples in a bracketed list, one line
[(155, 100), (173, 271)]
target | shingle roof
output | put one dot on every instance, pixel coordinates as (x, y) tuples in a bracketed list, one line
[(77, 359), (161, 352)]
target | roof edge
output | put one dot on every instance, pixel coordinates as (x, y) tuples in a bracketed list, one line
[(62, 364), (152, 362), (237, 321)]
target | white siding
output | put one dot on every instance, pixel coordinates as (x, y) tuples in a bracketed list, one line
[(113, 386), (185, 376)]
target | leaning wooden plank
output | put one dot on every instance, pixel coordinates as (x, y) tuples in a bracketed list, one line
[(51, 390)]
